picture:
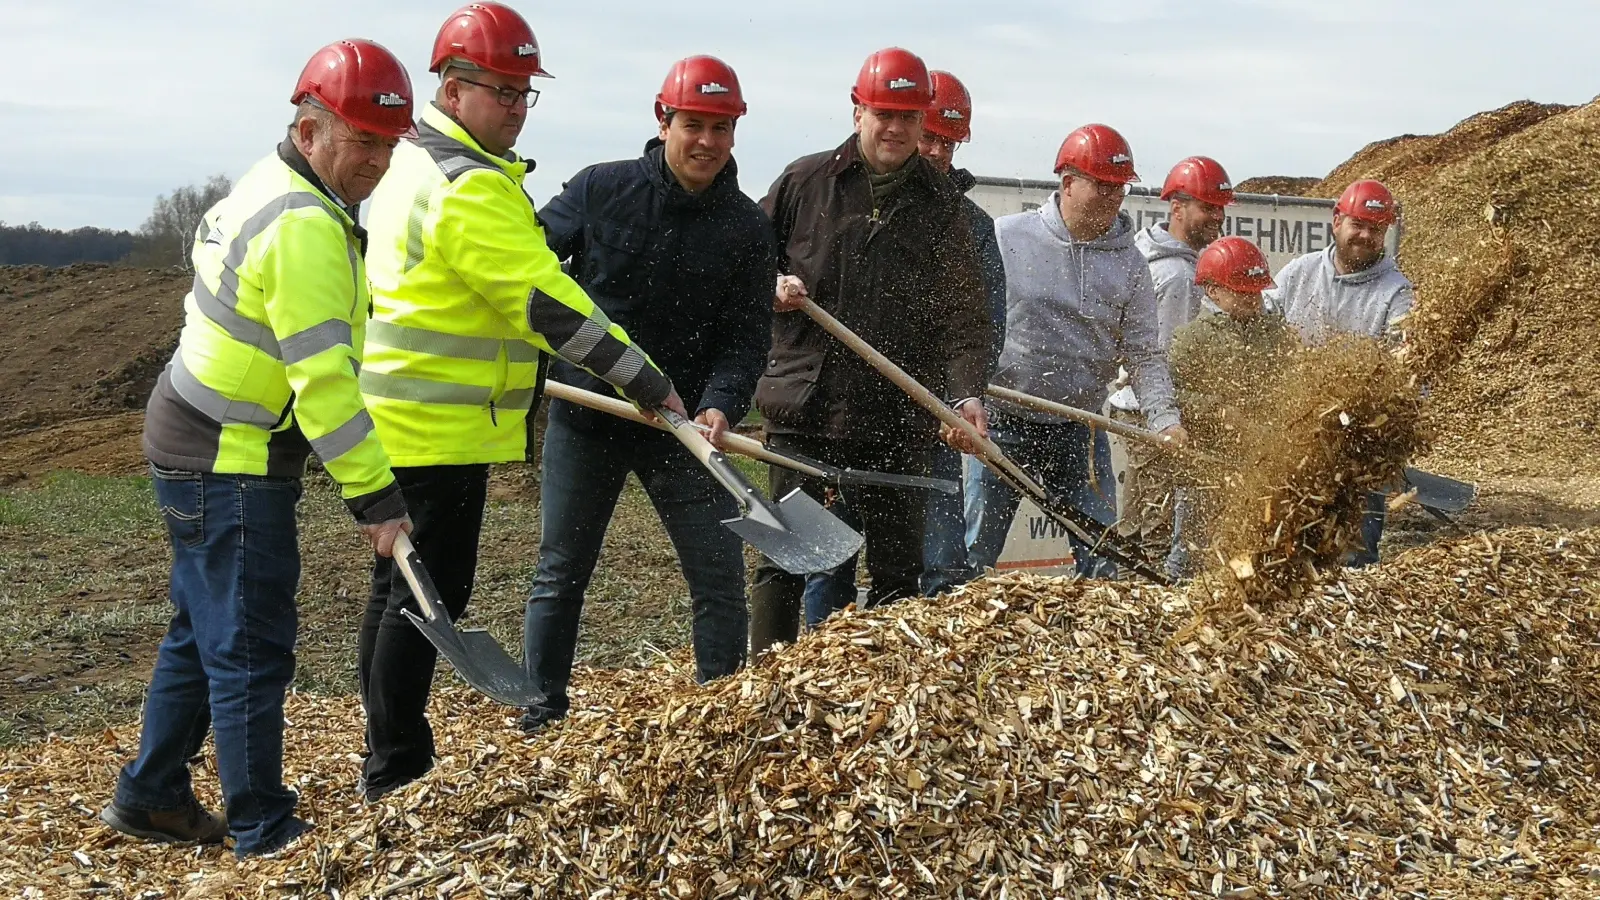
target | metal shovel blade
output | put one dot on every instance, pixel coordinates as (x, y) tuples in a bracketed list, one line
[(481, 662), (810, 539), (1440, 493), (476, 656)]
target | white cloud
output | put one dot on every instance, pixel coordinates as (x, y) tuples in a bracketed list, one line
[(163, 93)]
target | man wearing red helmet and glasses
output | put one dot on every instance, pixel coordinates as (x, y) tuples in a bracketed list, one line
[(874, 234), (469, 304), (670, 247), (1352, 287), (1079, 302), (263, 376)]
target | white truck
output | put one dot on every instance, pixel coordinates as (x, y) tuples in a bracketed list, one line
[(1283, 227)]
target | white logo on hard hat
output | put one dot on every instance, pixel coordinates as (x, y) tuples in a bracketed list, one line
[(711, 87), (953, 114), (528, 50), (1375, 204), (900, 84), (1224, 186), (1255, 272), (389, 99), (1118, 159)]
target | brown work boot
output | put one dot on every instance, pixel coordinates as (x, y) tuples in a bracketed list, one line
[(190, 824)]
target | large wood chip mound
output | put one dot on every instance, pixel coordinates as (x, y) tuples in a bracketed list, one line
[(1422, 729)]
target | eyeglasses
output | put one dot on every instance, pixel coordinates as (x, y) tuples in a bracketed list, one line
[(1104, 188), (508, 97)]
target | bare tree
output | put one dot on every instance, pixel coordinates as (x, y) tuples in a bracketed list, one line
[(168, 235)]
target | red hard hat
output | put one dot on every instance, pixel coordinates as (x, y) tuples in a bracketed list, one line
[(1234, 263), (1368, 200), (491, 36), (1202, 178), (701, 84), (950, 113), (893, 78), (1099, 152), (360, 82)]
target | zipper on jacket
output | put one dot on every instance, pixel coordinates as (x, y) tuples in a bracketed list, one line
[(492, 419)]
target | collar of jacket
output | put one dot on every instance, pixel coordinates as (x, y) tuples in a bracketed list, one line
[(440, 121), (848, 154), (963, 180), (655, 167), (297, 163)]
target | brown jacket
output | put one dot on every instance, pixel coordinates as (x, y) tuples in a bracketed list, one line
[(905, 278)]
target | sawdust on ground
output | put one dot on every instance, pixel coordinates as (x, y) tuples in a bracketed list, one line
[(1417, 729)]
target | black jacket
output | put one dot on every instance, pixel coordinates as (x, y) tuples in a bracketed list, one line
[(989, 261), (905, 278), (689, 276)]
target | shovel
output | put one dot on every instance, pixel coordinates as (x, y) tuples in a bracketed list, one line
[(477, 658), (1435, 493), (796, 533), (745, 446), (1079, 523)]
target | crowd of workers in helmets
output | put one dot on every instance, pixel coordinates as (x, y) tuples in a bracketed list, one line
[(409, 356)]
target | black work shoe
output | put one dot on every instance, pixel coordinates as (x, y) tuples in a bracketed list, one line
[(534, 721), (190, 824)]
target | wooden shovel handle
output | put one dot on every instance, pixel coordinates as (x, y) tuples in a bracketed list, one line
[(925, 398), (1133, 432), (622, 409)]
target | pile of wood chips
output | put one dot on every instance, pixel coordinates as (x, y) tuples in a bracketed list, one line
[(1421, 729)]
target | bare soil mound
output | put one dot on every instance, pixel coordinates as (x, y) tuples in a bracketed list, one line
[(1499, 239), (83, 340)]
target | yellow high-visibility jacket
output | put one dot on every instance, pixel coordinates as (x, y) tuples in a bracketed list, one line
[(266, 367), (466, 296)]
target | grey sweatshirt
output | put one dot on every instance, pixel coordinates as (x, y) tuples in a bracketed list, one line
[(1172, 263), (1320, 302), (1075, 310)]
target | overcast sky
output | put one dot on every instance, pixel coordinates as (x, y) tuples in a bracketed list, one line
[(113, 103)]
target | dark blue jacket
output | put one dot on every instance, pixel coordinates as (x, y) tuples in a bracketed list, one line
[(689, 276), (989, 261)]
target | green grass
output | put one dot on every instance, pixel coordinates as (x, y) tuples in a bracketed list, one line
[(84, 566)]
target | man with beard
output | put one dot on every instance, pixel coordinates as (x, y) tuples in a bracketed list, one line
[(673, 251), (1352, 287), (1199, 191), (877, 237), (1079, 302)]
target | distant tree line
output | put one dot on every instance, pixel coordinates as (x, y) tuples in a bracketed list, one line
[(163, 240)]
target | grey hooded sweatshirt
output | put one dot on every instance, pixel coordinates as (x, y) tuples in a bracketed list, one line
[(1075, 310), (1320, 302), (1172, 263)]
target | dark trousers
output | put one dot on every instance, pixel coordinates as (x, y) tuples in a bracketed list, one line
[(396, 660), (890, 520), (228, 654), (582, 475)]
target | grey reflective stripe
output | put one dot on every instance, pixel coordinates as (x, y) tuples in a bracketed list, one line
[(584, 342), (421, 390), (343, 439), (456, 165), (222, 306), (213, 404), (628, 367), (435, 343), (521, 352), (303, 345), (414, 222), (519, 399), (241, 329)]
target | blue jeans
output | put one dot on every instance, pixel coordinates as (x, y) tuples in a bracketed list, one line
[(583, 472), (228, 655), (1058, 454), (1371, 530), (834, 589), (944, 547), (972, 497)]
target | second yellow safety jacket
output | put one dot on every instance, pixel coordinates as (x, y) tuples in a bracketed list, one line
[(466, 298)]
